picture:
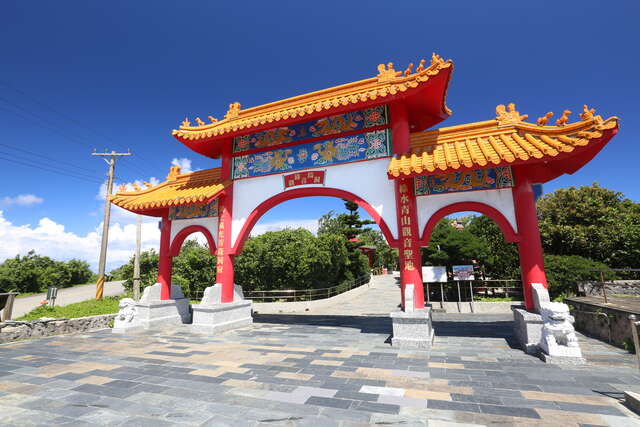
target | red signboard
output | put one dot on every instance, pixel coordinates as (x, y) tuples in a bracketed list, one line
[(303, 178)]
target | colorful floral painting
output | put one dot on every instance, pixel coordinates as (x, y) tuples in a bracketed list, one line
[(193, 211), (363, 146), (481, 179), (333, 125)]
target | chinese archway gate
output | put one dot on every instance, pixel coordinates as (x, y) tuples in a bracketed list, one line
[(365, 141)]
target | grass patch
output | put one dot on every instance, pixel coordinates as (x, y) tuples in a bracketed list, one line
[(625, 296), (107, 305), (495, 299)]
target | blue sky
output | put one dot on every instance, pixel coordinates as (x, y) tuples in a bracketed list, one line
[(79, 75)]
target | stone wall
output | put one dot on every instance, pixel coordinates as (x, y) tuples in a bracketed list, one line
[(16, 330), (605, 323), (594, 288)]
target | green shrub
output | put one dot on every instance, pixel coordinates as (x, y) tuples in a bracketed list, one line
[(34, 273), (564, 271)]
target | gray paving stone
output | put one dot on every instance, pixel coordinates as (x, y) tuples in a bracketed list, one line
[(384, 408), (591, 409), (352, 395), (452, 406), (510, 411), (104, 391), (329, 401)]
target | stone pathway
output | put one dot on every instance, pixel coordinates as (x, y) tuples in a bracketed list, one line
[(329, 368)]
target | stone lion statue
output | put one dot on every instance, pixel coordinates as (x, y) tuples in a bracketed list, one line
[(127, 310), (558, 335)]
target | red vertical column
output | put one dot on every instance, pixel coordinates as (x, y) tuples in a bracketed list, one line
[(165, 262), (224, 259), (224, 267), (408, 233), (408, 241), (530, 245)]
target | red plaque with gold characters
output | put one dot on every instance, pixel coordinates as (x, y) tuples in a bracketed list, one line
[(304, 178)]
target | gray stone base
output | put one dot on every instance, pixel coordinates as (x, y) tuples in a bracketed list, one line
[(153, 313), (214, 318), (157, 315), (412, 329), (561, 360), (528, 329)]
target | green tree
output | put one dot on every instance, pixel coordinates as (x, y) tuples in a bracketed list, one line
[(290, 259), (384, 255), (79, 270), (194, 269), (592, 222), (34, 273), (451, 246), (148, 270), (499, 259)]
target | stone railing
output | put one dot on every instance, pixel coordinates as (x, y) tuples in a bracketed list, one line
[(16, 330), (623, 287)]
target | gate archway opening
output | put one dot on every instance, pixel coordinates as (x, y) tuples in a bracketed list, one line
[(270, 203)]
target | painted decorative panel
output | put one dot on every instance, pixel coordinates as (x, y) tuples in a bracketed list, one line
[(363, 146), (481, 179), (326, 126), (194, 211), (303, 178)]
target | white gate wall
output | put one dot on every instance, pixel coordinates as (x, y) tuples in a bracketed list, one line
[(367, 180), (501, 200)]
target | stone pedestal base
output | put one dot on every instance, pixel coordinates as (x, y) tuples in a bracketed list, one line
[(412, 329), (528, 329), (561, 360), (212, 316), (153, 313), (211, 319)]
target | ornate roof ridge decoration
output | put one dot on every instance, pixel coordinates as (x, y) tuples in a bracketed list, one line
[(502, 141), (179, 189), (387, 82)]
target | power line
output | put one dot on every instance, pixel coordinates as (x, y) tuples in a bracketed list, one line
[(46, 125), (41, 167), (46, 157), (48, 165), (66, 117)]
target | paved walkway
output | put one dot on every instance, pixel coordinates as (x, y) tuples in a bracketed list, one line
[(330, 368), (66, 296)]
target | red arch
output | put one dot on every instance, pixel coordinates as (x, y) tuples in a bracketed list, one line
[(177, 242), (507, 230), (263, 207)]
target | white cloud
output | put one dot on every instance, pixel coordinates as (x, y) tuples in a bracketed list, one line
[(309, 224), (184, 163), (50, 238), (20, 200)]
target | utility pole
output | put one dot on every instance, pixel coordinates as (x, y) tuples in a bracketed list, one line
[(136, 262), (107, 212)]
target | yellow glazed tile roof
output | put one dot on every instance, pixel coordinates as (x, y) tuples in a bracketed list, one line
[(388, 82), (178, 189), (505, 140)]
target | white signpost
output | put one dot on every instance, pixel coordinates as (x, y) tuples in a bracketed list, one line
[(434, 273)]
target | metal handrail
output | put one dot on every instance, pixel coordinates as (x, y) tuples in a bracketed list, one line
[(292, 295), (478, 284)]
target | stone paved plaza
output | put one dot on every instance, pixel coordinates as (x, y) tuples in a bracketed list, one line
[(329, 368)]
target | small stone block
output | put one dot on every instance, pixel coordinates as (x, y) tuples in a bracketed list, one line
[(561, 360), (632, 400), (412, 329)]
